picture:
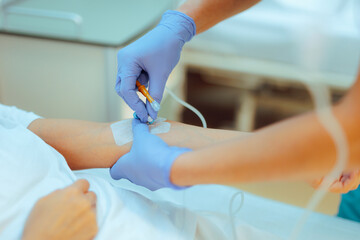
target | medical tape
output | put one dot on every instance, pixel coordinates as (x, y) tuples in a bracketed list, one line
[(122, 130)]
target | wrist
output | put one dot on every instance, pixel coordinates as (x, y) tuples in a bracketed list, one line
[(180, 23)]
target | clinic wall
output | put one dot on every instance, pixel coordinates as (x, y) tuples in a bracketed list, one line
[(52, 78)]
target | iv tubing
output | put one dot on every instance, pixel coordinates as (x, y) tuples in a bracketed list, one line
[(326, 117), (187, 105), (321, 97)]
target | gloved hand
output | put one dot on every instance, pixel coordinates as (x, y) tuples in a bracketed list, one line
[(149, 161), (151, 59)]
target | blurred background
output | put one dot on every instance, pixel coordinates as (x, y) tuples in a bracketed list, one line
[(58, 59)]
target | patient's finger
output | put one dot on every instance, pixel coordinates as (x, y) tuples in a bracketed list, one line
[(81, 184), (91, 197)]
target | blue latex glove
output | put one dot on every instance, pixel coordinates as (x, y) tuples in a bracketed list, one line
[(151, 59), (149, 161)]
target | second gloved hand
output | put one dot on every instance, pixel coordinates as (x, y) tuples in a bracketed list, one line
[(149, 161), (150, 59)]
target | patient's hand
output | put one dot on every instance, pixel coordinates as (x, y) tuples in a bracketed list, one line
[(68, 213), (345, 183)]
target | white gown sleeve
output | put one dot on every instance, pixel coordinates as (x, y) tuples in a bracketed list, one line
[(11, 116)]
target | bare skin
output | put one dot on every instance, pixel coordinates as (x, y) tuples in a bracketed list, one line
[(207, 13), (103, 152), (287, 148), (91, 145), (68, 213), (295, 149), (345, 183)]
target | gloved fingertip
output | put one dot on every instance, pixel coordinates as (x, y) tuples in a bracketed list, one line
[(150, 120), (135, 116), (114, 173), (144, 119), (144, 79), (153, 114), (152, 188), (141, 115), (117, 89)]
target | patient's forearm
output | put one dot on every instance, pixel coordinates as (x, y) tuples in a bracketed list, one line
[(91, 145)]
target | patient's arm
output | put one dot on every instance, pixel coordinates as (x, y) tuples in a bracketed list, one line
[(91, 145), (295, 149), (207, 13)]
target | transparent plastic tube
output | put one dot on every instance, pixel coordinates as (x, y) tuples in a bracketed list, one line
[(313, 40), (188, 106), (326, 117)]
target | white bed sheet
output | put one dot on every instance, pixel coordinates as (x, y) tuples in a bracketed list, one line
[(261, 213)]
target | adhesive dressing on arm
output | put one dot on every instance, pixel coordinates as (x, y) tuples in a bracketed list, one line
[(122, 130)]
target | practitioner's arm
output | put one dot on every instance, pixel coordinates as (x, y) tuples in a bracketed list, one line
[(91, 145), (207, 13), (298, 148)]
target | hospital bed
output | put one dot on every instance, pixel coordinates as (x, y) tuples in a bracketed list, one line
[(261, 213)]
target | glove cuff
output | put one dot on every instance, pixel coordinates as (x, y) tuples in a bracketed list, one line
[(183, 25), (173, 157)]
